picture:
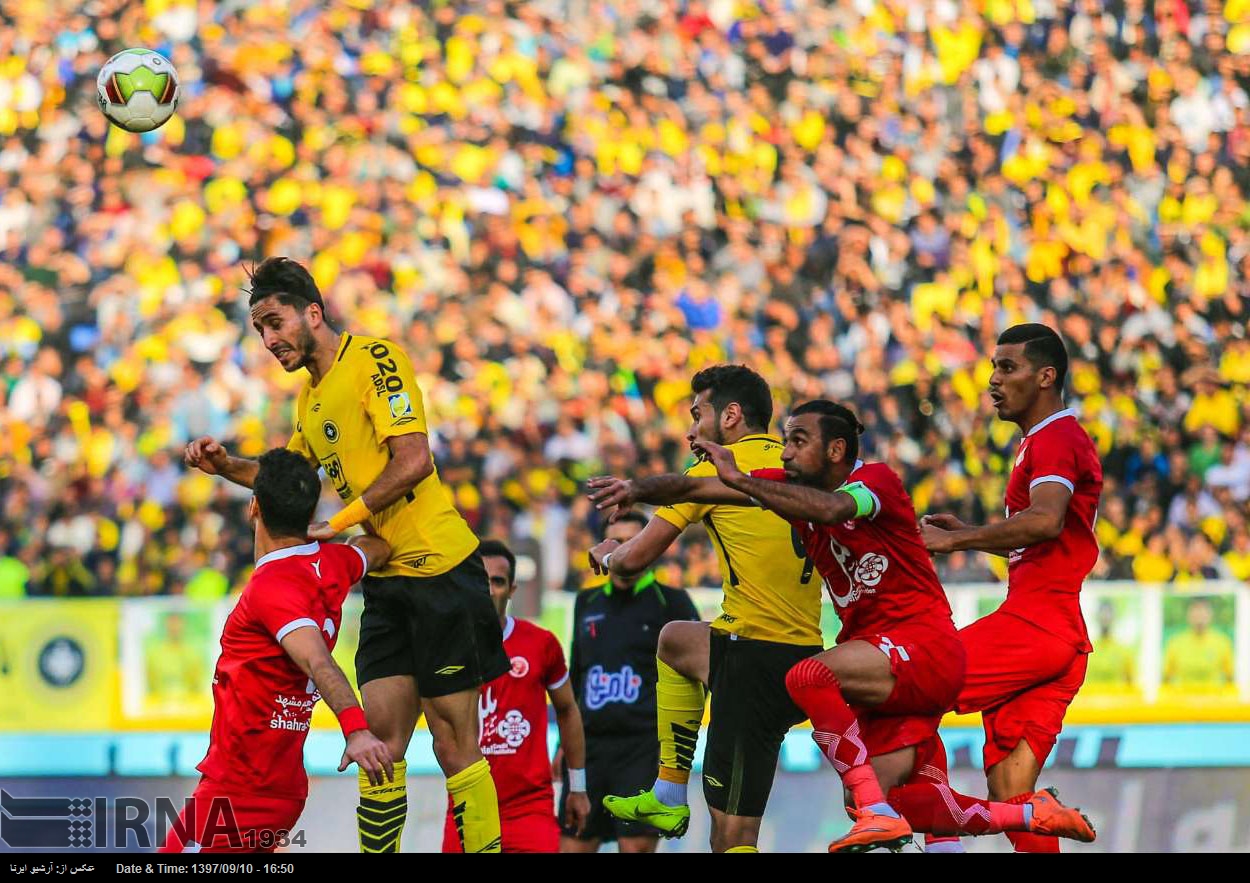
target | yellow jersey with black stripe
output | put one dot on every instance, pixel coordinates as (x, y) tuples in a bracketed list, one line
[(369, 395), (771, 590)]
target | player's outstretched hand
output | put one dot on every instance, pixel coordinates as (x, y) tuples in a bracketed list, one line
[(943, 521), (598, 553), (612, 493), (371, 754), (720, 457), (937, 539), (207, 455), (321, 530), (576, 811)]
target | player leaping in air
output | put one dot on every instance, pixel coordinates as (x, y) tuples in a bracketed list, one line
[(1026, 660), (876, 698)]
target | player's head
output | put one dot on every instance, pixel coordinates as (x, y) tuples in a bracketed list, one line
[(1030, 364), (822, 443), (285, 494), (287, 310), (500, 572), (730, 401), (623, 530), (1200, 614)]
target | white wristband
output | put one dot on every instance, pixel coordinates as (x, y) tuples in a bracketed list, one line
[(607, 563), (577, 780)]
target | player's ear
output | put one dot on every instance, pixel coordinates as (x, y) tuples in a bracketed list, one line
[(253, 511), (732, 415), (1048, 375)]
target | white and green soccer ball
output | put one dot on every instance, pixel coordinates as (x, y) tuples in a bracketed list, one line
[(138, 90)]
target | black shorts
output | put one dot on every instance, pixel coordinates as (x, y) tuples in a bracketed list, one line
[(621, 765), (443, 630), (751, 714)]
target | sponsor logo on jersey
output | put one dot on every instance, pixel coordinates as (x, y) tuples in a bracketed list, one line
[(604, 687), (400, 404), (331, 431), (293, 713), (520, 667)]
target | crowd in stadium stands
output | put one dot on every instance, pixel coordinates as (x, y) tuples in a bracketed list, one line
[(563, 208)]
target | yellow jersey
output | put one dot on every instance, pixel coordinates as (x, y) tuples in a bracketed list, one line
[(369, 395), (771, 590)]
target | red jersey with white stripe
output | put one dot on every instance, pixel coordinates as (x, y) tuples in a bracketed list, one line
[(512, 719), (262, 701), (1044, 580), (876, 568)]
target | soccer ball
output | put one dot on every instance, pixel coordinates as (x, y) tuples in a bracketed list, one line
[(137, 90)]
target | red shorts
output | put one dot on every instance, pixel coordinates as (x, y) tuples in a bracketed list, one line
[(219, 819), (537, 832), (928, 667), (1022, 680)]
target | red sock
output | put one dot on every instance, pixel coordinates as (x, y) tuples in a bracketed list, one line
[(835, 729), (1025, 841), (936, 809)]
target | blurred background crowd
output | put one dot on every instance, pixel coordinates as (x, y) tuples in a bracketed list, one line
[(564, 208)]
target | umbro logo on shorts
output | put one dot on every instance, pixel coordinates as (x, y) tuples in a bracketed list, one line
[(449, 670), (711, 780)]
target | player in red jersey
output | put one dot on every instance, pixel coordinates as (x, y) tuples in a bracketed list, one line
[(512, 726), (1026, 661), (275, 664), (877, 697)]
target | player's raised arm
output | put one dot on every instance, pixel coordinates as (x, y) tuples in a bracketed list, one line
[(308, 650), (210, 457), (792, 500), (1042, 520), (660, 490), (377, 550)]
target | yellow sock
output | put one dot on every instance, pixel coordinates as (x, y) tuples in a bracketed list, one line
[(743, 849), (679, 715), (382, 811), (475, 808)]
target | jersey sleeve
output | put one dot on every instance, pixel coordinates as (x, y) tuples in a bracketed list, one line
[(769, 474), (1054, 458), (281, 609), (396, 408), (297, 443), (555, 672), (873, 485), (354, 560), (682, 515)]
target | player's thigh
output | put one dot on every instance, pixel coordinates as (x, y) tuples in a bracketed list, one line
[(1020, 733), (894, 768), (927, 668), (457, 638), (1006, 656), (862, 670), (453, 724), (683, 646), (220, 821), (751, 713), (535, 833)]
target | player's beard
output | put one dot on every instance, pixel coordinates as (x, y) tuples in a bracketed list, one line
[(306, 346)]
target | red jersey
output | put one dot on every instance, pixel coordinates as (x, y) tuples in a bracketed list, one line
[(262, 701), (1044, 580), (876, 568), (512, 719)]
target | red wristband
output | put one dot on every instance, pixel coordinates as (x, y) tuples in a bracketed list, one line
[(352, 719)]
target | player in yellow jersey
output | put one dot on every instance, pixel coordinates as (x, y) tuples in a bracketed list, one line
[(429, 635), (770, 620)]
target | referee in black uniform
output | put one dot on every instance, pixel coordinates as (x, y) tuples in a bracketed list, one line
[(612, 666)]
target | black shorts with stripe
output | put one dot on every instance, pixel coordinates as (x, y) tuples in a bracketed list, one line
[(751, 713), (443, 630)]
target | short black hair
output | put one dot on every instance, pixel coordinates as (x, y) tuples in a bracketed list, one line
[(287, 490), (628, 518), (737, 383), (497, 549), (285, 279), (1042, 347), (836, 421)]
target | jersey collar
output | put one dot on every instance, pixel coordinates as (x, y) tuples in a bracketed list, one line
[(645, 581), (508, 625), (1058, 415), (278, 554), (758, 436)]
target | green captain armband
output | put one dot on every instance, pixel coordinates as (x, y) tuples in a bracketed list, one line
[(865, 500)]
